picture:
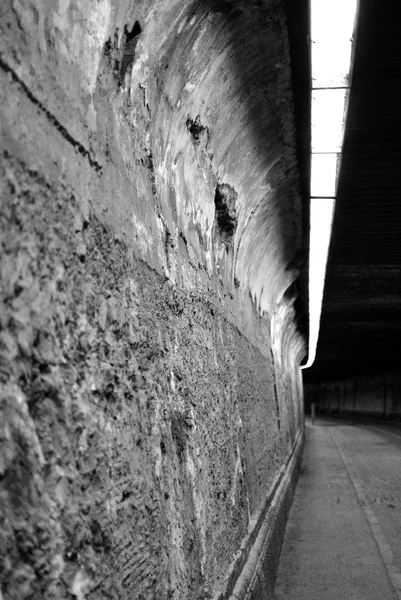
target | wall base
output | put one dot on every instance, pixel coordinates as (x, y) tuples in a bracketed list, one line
[(253, 575)]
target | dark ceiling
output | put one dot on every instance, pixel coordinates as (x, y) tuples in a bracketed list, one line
[(361, 317)]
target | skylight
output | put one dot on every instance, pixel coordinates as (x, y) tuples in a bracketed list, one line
[(324, 175), (332, 32), (327, 120)]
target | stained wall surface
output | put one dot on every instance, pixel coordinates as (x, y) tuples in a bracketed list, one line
[(151, 230)]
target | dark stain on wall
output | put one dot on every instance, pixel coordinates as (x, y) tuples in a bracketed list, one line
[(128, 55), (197, 130), (226, 214)]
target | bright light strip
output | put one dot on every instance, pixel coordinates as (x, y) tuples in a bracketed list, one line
[(332, 30), (321, 218), (324, 175), (332, 33), (327, 120)]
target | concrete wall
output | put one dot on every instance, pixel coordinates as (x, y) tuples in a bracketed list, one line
[(377, 395), (151, 398)]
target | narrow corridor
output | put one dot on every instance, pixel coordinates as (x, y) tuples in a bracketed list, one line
[(343, 536)]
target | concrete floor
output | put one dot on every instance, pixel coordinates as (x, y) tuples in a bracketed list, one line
[(343, 537)]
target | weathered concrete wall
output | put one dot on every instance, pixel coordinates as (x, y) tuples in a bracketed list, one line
[(377, 395), (150, 238)]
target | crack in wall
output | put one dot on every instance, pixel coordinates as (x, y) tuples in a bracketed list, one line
[(51, 118)]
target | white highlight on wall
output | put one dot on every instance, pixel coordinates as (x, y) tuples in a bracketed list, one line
[(332, 35)]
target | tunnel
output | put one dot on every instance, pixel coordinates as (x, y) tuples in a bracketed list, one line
[(154, 305)]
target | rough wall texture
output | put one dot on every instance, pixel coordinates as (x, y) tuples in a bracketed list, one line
[(377, 395), (150, 230)]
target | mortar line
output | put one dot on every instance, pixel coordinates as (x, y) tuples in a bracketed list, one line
[(384, 548), (50, 117)]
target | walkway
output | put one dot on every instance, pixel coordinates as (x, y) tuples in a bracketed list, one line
[(343, 536)]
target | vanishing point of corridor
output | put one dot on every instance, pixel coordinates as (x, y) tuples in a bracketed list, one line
[(343, 536)]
